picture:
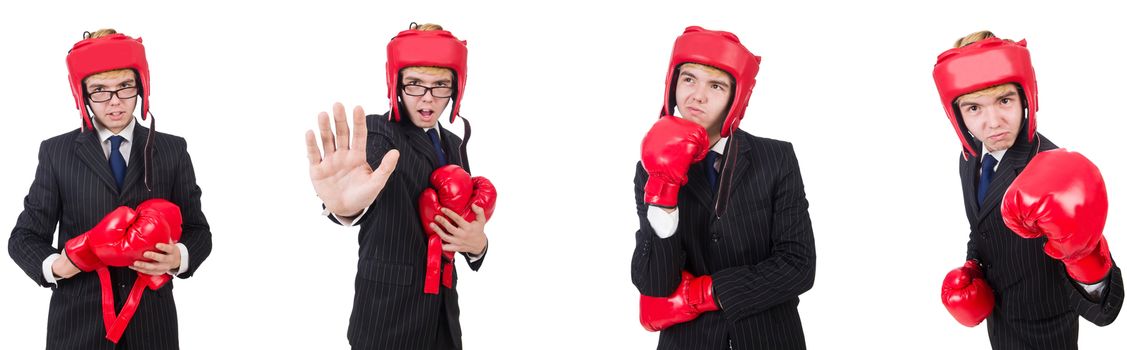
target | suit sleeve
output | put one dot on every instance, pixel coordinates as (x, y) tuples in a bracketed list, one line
[(380, 136), (30, 243), (1100, 312), (476, 264), (972, 251), (657, 263), (197, 233), (743, 291)]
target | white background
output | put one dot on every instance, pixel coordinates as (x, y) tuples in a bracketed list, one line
[(560, 96)]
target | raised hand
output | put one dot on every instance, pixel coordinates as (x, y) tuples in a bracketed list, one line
[(342, 177)]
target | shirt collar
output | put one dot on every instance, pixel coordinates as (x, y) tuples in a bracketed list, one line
[(436, 128), (719, 146), (105, 134), (997, 154)]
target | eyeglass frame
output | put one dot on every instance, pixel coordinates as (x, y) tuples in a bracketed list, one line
[(428, 89), (90, 95)]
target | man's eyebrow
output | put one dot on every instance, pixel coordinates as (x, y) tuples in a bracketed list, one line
[(1007, 95), (719, 82)]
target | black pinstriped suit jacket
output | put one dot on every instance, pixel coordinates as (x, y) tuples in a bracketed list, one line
[(390, 310), (74, 189), (1036, 303), (760, 254)]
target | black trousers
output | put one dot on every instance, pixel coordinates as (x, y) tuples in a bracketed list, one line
[(442, 340)]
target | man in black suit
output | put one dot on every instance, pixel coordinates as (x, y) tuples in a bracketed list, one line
[(1029, 299), (86, 173), (392, 309), (721, 264)]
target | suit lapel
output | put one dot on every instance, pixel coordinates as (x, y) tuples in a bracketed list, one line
[(698, 185), (453, 149), (136, 168), (419, 140), (742, 162), (1015, 159), (967, 171), (89, 150)]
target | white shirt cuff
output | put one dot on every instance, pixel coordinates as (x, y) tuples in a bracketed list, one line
[(663, 223), (345, 221), (183, 260), (1094, 290), (472, 258), (47, 273)]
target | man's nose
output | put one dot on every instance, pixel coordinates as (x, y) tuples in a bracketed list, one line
[(698, 94)]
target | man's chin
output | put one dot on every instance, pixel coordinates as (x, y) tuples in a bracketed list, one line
[(1000, 146), (427, 123)]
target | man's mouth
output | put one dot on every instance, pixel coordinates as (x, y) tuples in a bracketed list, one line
[(998, 136), (426, 113), (116, 115)]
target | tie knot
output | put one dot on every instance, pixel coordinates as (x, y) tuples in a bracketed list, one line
[(711, 158), (989, 161), (433, 133), (116, 140)]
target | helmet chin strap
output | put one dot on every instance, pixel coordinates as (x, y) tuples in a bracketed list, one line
[(148, 151), (727, 171)]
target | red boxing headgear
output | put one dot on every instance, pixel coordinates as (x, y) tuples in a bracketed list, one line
[(111, 52), (723, 51), (982, 64), (427, 48)]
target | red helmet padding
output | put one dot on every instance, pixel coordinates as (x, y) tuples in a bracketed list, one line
[(723, 51), (111, 52), (429, 48), (980, 65)]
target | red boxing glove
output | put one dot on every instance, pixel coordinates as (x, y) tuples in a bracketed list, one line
[(1061, 195), (667, 150), (80, 250), (122, 248), (162, 211), (692, 298), (966, 294), (453, 188)]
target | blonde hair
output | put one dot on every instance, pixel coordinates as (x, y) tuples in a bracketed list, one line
[(110, 74), (427, 69), (990, 91), (971, 39), (709, 69)]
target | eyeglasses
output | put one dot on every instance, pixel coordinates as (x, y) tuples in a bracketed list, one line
[(419, 90), (103, 96)]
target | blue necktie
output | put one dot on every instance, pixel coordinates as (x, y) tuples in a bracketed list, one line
[(988, 163), (117, 161), (433, 133), (710, 169)]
